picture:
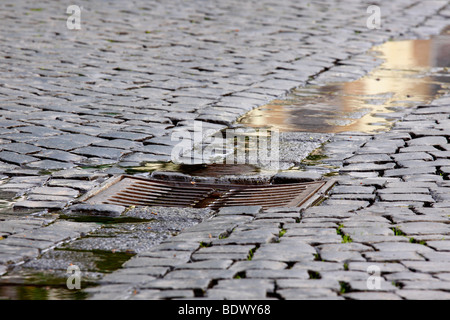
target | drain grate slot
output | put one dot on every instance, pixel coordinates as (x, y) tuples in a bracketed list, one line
[(130, 190)]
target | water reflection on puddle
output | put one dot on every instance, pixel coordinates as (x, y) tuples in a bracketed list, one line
[(413, 72)]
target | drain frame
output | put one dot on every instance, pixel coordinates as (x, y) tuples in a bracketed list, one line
[(129, 190)]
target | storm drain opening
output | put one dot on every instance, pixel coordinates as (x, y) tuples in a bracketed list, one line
[(128, 190)]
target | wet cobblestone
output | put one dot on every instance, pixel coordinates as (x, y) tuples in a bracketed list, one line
[(79, 106)]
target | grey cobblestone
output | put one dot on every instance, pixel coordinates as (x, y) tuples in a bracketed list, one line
[(212, 63), (29, 243)]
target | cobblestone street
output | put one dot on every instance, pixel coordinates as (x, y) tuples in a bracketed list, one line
[(78, 107)]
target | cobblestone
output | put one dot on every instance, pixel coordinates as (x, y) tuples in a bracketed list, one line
[(77, 106)]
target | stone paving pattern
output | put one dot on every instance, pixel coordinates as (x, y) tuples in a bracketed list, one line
[(390, 209), (79, 106)]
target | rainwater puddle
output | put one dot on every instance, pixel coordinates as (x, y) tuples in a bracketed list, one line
[(46, 278), (197, 170), (413, 72), (38, 286), (97, 254)]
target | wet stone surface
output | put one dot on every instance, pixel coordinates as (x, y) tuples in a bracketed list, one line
[(70, 119), (137, 230), (373, 218), (111, 243)]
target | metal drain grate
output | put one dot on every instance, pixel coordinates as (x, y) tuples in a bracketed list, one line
[(129, 190)]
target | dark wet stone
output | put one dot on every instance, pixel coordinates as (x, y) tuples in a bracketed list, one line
[(50, 165), (406, 156), (238, 210), (353, 189), (126, 135), (371, 158), (60, 156), (30, 205), (44, 197), (428, 141), (217, 118), (259, 236), (431, 109), (67, 142), (188, 283), (40, 131), (297, 176), (73, 184), (56, 191), (417, 149), (406, 197), (377, 149), (121, 144), (157, 149), (172, 176), (404, 189), (441, 154), (108, 210), (77, 173), (360, 196), (409, 171), (16, 158), (22, 148), (101, 152), (145, 157), (356, 167), (12, 254)]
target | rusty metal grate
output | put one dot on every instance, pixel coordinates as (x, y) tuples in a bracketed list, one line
[(130, 190)]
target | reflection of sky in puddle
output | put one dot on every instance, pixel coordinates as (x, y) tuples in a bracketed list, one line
[(413, 72)]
